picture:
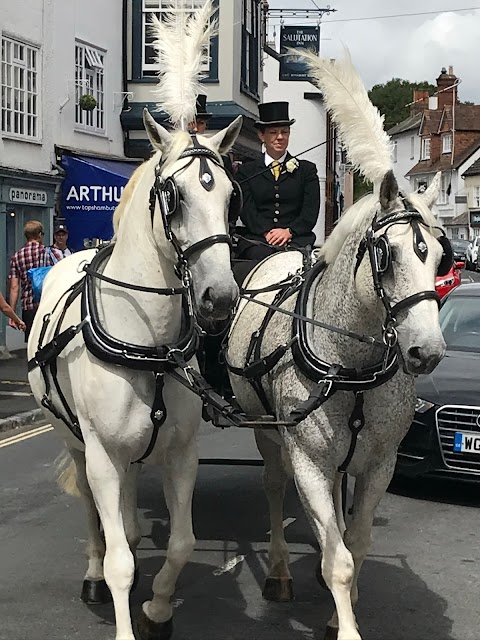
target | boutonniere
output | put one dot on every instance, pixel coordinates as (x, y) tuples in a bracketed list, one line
[(292, 165)]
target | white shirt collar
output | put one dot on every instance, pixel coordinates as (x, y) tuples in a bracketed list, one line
[(269, 160)]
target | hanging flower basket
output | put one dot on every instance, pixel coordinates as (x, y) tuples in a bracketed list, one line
[(87, 102)]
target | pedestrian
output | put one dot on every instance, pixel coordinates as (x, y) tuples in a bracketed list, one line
[(7, 310), (30, 256), (59, 249), (281, 195)]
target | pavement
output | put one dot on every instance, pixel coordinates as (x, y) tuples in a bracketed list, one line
[(17, 404)]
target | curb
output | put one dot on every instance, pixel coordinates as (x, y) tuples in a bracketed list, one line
[(21, 419)]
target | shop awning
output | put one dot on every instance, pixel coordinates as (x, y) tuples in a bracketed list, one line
[(91, 191)]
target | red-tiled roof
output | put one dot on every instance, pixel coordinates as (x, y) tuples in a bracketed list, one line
[(444, 163)]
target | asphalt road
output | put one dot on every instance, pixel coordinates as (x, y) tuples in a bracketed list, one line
[(420, 581)]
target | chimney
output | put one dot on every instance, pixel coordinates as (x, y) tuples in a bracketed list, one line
[(420, 101), (447, 92)]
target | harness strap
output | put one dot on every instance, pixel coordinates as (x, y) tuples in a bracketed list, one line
[(320, 394), (170, 291), (356, 424), (158, 414)]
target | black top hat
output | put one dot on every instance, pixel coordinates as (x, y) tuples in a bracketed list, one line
[(273, 113), (201, 107)]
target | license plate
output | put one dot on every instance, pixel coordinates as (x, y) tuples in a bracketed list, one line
[(466, 442)]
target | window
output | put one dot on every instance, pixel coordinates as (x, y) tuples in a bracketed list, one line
[(89, 80), (421, 185), (412, 147), (160, 8), (395, 151), (447, 143), (476, 197), (250, 47), (20, 89), (425, 149), (445, 188)]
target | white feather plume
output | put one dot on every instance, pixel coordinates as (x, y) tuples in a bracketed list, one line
[(359, 123), (181, 45)]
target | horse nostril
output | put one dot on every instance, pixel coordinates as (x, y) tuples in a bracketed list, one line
[(207, 300), (415, 353)]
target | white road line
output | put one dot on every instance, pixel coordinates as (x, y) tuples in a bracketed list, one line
[(286, 522), (19, 382), (15, 393), (20, 437), (228, 566)]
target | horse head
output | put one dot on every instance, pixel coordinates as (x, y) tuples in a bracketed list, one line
[(198, 194), (403, 250)]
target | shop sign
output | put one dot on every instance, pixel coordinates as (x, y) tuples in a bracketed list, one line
[(27, 196)]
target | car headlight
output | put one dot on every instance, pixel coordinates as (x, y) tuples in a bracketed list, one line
[(422, 406)]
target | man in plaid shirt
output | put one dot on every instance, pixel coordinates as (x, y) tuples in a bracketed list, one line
[(28, 257)]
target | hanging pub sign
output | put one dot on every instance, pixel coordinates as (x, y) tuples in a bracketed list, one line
[(291, 67)]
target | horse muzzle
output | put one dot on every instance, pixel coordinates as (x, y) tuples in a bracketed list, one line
[(423, 359), (217, 302)]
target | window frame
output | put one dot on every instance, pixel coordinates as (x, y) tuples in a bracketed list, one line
[(426, 149), (447, 148), (31, 89), (139, 13), (476, 197), (93, 79), (443, 196), (395, 151), (250, 55), (412, 147)]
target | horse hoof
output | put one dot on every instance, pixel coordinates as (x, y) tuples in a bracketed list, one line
[(149, 630), (95, 592), (278, 589), (320, 578), (331, 634)]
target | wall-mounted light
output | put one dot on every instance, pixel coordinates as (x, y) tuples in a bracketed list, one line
[(12, 214)]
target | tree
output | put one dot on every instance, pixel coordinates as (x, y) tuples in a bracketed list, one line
[(393, 97)]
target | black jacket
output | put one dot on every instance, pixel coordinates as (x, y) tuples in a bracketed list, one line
[(291, 202)]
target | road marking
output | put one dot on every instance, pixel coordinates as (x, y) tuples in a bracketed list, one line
[(228, 566), (19, 382), (285, 523), (15, 393), (20, 437)]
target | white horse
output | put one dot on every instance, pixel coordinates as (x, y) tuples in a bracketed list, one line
[(100, 363), (363, 277), (113, 404)]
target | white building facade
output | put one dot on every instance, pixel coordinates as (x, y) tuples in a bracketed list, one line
[(53, 54)]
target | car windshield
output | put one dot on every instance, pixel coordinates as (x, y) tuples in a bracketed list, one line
[(460, 245), (460, 323)]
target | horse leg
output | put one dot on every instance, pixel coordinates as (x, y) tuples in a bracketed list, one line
[(316, 493), (94, 588), (339, 499), (130, 514), (369, 490), (106, 477), (179, 475), (278, 585)]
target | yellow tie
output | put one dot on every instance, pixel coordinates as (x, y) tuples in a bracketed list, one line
[(276, 169)]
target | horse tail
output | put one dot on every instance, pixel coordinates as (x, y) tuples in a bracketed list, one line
[(66, 472), (360, 125)]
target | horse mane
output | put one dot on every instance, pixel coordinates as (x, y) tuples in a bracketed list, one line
[(359, 216)]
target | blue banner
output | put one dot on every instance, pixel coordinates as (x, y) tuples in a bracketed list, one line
[(91, 191)]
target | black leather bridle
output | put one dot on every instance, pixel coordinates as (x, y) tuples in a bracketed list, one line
[(165, 191), (380, 261)]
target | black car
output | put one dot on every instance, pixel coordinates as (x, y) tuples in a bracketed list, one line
[(460, 250), (444, 438)]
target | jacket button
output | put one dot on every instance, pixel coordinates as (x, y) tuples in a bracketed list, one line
[(277, 204), (275, 219), (277, 195), (276, 188)]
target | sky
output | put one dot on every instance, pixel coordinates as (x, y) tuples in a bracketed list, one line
[(413, 48)]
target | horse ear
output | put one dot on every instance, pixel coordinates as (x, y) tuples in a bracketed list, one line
[(388, 191), (430, 196), (158, 135), (225, 139)]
